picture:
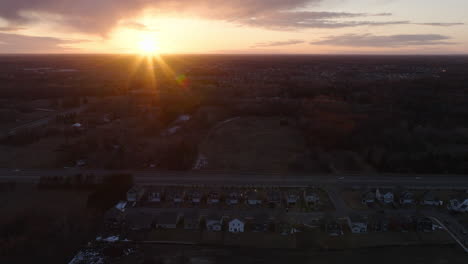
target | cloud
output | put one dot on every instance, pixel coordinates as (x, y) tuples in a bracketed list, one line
[(289, 20), (10, 28), (369, 40), (15, 43), (100, 16), (137, 26), (278, 43), (440, 24)]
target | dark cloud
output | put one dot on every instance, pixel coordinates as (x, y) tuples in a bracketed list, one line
[(369, 40), (10, 28), (278, 43), (99, 16), (440, 24), (15, 43), (299, 20)]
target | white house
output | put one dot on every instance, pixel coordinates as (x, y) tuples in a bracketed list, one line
[(311, 197), (195, 197), (253, 198), (236, 226), (213, 197), (386, 197), (214, 223), (431, 199), (292, 198), (233, 198), (357, 224), (368, 198), (154, 196), (406, 197), (458, 205)]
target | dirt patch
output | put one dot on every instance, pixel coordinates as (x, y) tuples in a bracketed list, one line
[(257, 143)]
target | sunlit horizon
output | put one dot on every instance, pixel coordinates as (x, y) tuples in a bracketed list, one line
[(246, 27)]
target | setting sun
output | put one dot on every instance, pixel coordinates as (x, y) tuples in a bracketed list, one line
[(148, 45)]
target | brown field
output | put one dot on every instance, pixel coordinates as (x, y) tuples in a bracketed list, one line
[(255, 143)]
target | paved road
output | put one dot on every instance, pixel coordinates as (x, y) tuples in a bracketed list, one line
[(252, 179)]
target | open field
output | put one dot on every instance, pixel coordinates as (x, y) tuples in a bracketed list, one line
[(255, 143)]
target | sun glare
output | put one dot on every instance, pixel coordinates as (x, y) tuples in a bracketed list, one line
[(148, 46)]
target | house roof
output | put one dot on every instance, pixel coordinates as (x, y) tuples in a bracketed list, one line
[(368, 195), (135, 189), (407, 195), (310, 192), (237, 219)]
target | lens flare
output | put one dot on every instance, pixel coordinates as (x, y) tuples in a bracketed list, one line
[(148, 46)]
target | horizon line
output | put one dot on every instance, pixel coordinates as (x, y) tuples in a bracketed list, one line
[(241, 54)]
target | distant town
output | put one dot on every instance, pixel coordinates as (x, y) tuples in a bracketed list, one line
[(127, 159)]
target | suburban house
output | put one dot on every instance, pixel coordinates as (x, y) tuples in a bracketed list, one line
[(311, 197), (333, 228), (155, 195), (167, 220), (259, 223), (236, 225), (368, 197), (253, 198), (213, 197), (175, 195), (430, 198), (194, 196), (274, 198), (406, 197), (385, 197), (233, 198), (292, 198), (135, 193), (214, 223), (458, 205), (191, 221), (378, 223), (357, 224)]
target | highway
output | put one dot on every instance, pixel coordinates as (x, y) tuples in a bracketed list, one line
[(155, 177)]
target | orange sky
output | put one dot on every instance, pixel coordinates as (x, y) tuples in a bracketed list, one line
[(242, 26)]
